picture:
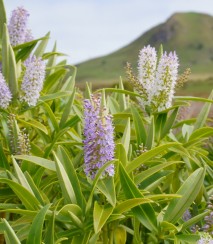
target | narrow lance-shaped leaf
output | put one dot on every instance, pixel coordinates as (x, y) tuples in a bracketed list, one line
[(126, 137), (24, 195), (188, 191), (169, 123), (121, 97), (41, 47), (201, 118), (3, 18), (35, 234), (19, 174), (66, 187), (71, 173), (10, 233), (100, 216), (139, 126), (149, 154), (144, 213), (12, 76), (67, 109)]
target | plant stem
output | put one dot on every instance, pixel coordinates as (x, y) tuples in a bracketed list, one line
[(105, 234)]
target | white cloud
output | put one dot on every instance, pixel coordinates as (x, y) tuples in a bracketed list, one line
[(85, 29)]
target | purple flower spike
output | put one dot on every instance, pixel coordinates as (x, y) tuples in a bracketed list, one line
[(33, 80), (5, 94), (99, 140), (18, 31)]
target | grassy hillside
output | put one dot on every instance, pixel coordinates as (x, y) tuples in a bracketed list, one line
[(190, 34)]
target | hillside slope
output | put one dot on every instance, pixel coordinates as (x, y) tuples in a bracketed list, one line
[(190, 34)]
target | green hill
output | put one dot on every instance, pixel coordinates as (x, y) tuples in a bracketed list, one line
[(189, 34)]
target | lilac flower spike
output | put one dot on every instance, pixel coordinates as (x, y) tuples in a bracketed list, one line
[(18, 31), (98, 143), (5, 94), (33, 80)]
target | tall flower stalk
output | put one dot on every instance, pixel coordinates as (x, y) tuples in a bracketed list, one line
[(99, 140), (5, 94), (17, 27), (33, 80)]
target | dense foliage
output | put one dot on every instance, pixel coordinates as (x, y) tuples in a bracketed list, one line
[(109, 166)]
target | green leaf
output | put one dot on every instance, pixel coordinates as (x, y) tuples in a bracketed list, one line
[(3, 18), (35, 190), (21, 178), (107, 187), (70, 82), (51, 117), (53, 80), (50, 230), (147, 173), (159, 125), (188, 191), (196, 99), (120, 91), (144, 213), (67, 109), (63, 214), (203, 115), (121, 97), (5, 50), (75, 220), (12, 75), (194, 220), (100, 216), (35, 234), (68, 191), (29, 201), (47, 164), (11, 235), (25, 52), (190, 238), (139, 126), (126, 137), (199, 135), (95, 181), (35, 124), (129, 204), (169, 123), (41, 47), (149, 154), (3, 159), (71, 173), (9, 63), (50, 97), (121, 154)]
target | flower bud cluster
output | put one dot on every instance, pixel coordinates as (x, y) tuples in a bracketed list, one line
[(205, 238), (99, 137)]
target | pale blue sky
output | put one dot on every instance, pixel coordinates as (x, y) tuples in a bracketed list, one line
[(85, 29)]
